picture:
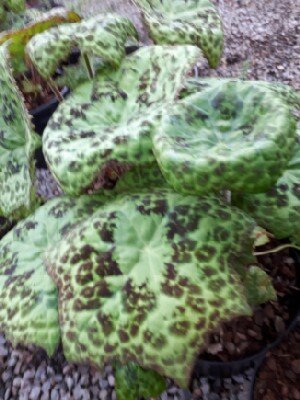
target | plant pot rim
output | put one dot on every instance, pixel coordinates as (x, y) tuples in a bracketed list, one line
[(44, 107), (258, 368), (227, 368)]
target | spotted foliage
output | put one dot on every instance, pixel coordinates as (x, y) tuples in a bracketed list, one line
[(185, 22), (28, 297), (144, 278), (17, 146), (103, 36), (259, 288), (6, 6), (29, 24), (110, 119), (230, 135), (278, 210), (137, 178), (133, 382)]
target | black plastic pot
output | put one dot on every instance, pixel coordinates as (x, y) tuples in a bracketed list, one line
[(251, 394), (42, 114), (40, 118), (296, 256), (226, 369), (131, 49)]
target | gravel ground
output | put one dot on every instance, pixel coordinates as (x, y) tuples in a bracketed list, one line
[(262, 37), (262, 42)]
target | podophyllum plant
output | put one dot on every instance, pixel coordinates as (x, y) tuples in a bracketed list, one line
[(277, 209), (137, 276), (17, 145), (103, 36), (194, 22)]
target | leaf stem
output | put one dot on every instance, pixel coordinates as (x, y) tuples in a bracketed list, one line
[(55, 90), (276, 249), (88, 66)]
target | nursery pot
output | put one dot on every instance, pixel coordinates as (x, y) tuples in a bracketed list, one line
[(226, 369), (40, 118), (42, 114), (257, 378)]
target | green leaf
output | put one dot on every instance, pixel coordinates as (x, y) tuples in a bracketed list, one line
[(259, 286), (39, 22), (17, 145), (110, 119), (231, 135), (146, 277), (278, 210), (28, 297), (10, 6), (137, 178), (15, 5), (103, 36), (134, 382), (194, 22)]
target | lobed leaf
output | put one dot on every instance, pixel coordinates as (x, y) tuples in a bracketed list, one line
[(230, 135), (17, 145), (39, 22), (103, 36), (28, 297), (194, 22), (278, 210), (144, 278), (110, 119)]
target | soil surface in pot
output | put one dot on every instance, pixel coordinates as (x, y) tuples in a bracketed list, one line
[(35, 93), (279, 375), (246, 336)]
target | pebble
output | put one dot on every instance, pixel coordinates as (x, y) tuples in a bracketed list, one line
[(35, 393), (103, 394), (3, 351), (111, 380)]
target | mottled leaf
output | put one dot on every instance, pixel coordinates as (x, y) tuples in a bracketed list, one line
[(231, 135), (39, 22), (17, 146), (137, 178), (14, 5), (258, 286), (28, 297), (278, 210), (144, 278), (110, 119), (185, 22), (103, 36), (134, 382)]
